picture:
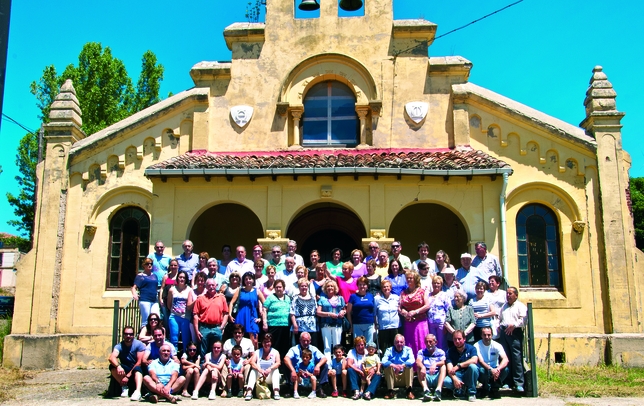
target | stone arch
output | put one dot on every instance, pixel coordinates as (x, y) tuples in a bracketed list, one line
[(324, 226), (111, 200), (545, 193), (224, 223), (442, 227), (324, 67)]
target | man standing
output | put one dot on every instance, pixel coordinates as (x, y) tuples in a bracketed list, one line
[(160, 261), (163, 379), (210, 316), (290, 252), (396, 253), (423, 253), (288, 274), (294, 356), (425, 276), (486, 261), (431, 369), (398, 363), (374, 249), (188, 260), (278, 260), (468, 276), (125, 363), (462, 369), (240, 264), (512, 319), (492, 372)]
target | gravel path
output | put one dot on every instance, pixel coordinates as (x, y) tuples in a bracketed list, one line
[(85, 387)]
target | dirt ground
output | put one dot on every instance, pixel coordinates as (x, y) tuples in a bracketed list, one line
[(85, 387)]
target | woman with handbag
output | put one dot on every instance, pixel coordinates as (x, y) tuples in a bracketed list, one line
[(265, 364)]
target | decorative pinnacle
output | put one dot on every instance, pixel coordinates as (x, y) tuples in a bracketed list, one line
[(600, 96), (65, 108)]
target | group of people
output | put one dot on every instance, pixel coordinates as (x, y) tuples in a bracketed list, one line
[(236, 320)]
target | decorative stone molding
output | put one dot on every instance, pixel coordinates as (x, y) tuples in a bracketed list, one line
[(241, 115), (417, 111), (579, 226), (326, 191), (90, 229)]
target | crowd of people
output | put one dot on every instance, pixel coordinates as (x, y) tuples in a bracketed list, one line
[(250, 327)]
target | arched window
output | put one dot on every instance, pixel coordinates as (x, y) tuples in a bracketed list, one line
[(538, 247), (129, 244), (330, 117)]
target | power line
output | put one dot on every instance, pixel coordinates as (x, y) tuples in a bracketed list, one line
[(478, 19), (18, 124)]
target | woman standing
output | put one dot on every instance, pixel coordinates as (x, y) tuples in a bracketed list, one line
[(359, 268), (226, 257), (450, 284), (483, 309), (201, 268), (268, 286), (265, 364), (200, 284), (249, 308), (180, 297), (414, 303), (361, 311), (388, 320), (146, 283), (169, 280), (317, 284), (331, 311), (335, 266), (346, 284), (303, 310), (460, 317), (382, 265), (231, 290), (439, 304), (442, 262), (276, 315), (498, 297), (373, 278), (397, 278)]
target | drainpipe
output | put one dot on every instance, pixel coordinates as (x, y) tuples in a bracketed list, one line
[(504, 242)]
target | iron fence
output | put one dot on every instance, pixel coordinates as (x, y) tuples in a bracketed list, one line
[(128, 315)]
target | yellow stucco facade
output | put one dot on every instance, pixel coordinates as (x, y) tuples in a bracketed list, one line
[(493, 156)]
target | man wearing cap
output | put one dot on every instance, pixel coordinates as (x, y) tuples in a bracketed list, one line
[(468, 276), (396, 253), (486, 261), (450, 284), (423, 253)]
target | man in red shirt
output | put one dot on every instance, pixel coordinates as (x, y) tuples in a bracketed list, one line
[(210, 316)]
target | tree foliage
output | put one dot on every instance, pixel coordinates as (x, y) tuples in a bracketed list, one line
[(105, 94), (637, 200), (23, 203), (254, 10), (104, 89)]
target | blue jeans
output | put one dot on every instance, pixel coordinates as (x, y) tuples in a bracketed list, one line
[(176, 324), (365, 330), (469, 376), (146, 308), (209, 334), (485, 377), (354, 381)]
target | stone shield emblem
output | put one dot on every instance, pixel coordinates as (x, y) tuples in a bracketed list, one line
[(417, 111), (241, 115)]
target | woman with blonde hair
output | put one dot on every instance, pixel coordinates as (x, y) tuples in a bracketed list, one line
[(413, 306), (331, 311)]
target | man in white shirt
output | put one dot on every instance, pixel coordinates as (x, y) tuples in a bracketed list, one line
[(290, 252), (486, 261), (493, 364), (512, 319), (288, 275), (425, 276), (423, 253), (240, 264)]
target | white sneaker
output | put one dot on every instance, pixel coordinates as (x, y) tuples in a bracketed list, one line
[(296, 395), (195, 395), (136, 396), (212, 395), (312, 395), (125, 391)]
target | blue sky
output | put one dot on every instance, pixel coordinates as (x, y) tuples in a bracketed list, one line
[(538, 52)]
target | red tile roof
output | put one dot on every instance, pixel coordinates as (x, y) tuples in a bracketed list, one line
[(443, 159)]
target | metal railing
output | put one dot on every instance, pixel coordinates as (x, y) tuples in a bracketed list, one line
[(128, 315), (530, 357)]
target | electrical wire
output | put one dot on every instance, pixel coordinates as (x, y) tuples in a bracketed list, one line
[(479, 19), (18, 124)]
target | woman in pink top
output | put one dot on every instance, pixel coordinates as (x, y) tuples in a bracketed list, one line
[(347, 284)]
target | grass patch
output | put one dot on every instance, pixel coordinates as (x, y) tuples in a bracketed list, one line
[(9, 380), (589, 382), (5, 330)]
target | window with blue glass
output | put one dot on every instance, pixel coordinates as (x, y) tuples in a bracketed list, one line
[(330, 117), (538, 247)]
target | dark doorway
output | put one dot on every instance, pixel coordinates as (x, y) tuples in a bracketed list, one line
[(325, 226)]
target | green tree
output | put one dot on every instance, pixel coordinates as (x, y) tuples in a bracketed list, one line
[(105, 94), (254, 10), (637, 201), (23, 203)]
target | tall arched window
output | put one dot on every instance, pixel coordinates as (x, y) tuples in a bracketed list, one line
[(538, 247), (129, 244), (330, 117)]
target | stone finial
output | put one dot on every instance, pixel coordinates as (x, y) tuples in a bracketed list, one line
[(600, 95), (65, 108)]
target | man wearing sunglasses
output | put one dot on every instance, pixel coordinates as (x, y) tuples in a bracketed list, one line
[(125, 363), (396, 253)]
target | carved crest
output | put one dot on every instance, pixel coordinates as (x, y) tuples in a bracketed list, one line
[(241, 115), (417, 111)]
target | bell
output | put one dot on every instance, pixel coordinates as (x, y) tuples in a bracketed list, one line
[(309, 5), (350, 5)]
